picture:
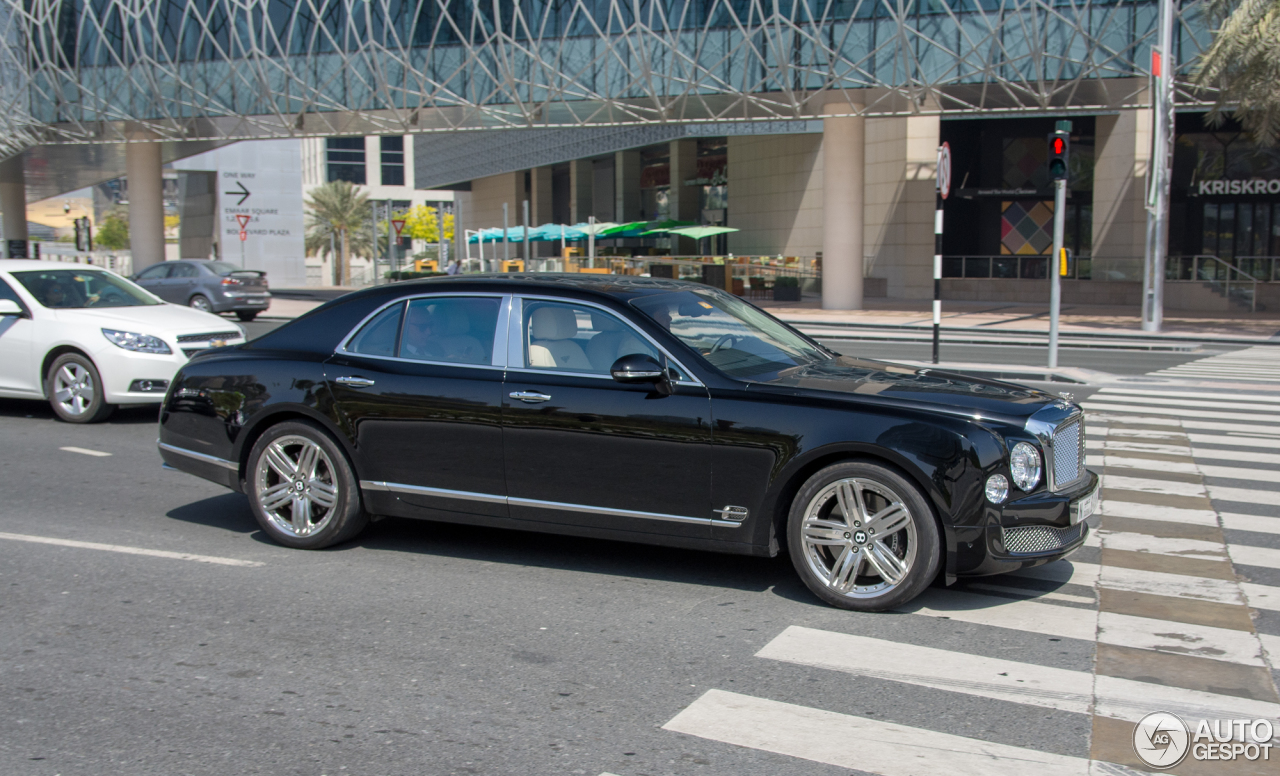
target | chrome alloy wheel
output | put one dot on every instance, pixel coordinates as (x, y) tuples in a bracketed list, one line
[(294, 485), (73, 389), (859, 537)]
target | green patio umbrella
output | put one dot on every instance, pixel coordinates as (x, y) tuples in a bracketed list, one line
[(631, 229)]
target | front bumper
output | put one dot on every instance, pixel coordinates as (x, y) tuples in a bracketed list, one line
[(124, 371), (1030, 531)]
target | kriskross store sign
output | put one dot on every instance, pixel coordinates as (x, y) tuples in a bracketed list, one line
[(1252, 186)]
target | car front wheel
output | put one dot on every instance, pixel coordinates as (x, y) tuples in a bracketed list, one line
[(75, 390), (862, 537), (303, 490)]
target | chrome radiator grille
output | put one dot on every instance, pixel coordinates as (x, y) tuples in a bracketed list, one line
[(1068, 453), (1031, 539), (210, 337)]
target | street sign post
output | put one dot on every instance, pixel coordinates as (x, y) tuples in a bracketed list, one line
[(944, 188), (1059, 149), (243, 219)]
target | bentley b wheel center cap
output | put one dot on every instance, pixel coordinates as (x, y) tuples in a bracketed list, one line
[(860, 537)]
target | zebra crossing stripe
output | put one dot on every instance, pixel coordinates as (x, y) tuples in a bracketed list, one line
[(1094, 405), (848, 741), (1244, 495), (1163, 545), (1264, 409), (1252, 439), (1143, 485), (1252, 398), (1247, 555), (1255, 523), (1243, 456), (1132, 509), (998, 679)]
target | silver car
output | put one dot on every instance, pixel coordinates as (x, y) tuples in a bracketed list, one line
[(212, 286)]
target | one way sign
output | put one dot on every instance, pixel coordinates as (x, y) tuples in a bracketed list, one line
[(243, 193)]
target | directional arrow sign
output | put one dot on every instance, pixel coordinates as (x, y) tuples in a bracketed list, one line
[(243, 193)]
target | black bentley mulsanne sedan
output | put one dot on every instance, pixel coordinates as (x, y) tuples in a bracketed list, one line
[(638, 409)]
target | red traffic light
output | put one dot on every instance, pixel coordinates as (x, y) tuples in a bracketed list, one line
[(1059, 145)]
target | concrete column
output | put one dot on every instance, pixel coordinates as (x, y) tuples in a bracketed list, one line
[(540, 207), (580, 184), (843, 158), (1123, 148), (899, 204), (684, 199), (626, 181), (13, 201), (146, 203)]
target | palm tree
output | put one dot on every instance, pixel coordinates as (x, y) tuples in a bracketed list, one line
[(338, 222), (1244, 64)]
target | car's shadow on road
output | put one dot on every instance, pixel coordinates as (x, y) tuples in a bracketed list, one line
[(231, 512), (39, 410)]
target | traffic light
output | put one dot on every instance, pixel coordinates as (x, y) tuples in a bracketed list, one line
[(1059, 147), (1064, 262)]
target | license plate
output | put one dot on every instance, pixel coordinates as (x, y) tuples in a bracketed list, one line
[(1084, 508)]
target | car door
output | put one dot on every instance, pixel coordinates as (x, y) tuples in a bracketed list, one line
[(154, 278), (181, 284), (418, 388), (19, 371), (585, 450)]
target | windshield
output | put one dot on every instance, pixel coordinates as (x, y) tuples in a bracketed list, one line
[(730, 334), (80, 288)]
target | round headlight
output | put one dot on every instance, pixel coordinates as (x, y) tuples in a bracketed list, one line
[(997, 488), (1024, 465)]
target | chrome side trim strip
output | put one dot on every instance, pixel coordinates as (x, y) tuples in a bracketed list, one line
[(419, 490), (232, 465), (531, 502), (464, 495)]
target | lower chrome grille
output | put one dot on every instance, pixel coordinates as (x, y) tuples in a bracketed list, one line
[(1068, 453), (1033, 539)]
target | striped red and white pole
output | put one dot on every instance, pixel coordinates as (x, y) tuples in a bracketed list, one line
[(937, 276)]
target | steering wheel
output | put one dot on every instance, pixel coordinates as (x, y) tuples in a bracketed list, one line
[(109, 294), (723, 342)]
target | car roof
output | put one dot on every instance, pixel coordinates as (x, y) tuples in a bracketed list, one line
[(619, 286), (20, 265)]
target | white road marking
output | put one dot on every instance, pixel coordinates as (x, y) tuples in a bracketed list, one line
[(1148, 464), (1143, 402), (1244, 456), (129, 550), (1256, 523), (1267, 442), (1094, 405), (1244, 495), (1220, 591), (1006, 680), (1164, 487), (86, 451), (1163, 545), (1177, 395), (1087, 625), (1261, 596), (863, 744), (1146, 447), (1153, 512), (1039, 595), (1254, 556)]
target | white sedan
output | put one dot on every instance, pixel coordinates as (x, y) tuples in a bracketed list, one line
[(88, 340)]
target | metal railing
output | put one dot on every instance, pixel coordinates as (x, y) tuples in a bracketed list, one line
[(1218, 273)]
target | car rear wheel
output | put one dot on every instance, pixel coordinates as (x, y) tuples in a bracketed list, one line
[(862, 537), (201, 303), (302, 488), (246, 315), (75, 391)]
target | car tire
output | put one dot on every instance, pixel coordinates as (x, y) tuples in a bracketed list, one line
[(75, 391), (246, 316), (880, 554), (201, 302), (302, 488)]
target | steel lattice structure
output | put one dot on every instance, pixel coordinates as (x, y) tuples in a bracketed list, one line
[(91, 71)]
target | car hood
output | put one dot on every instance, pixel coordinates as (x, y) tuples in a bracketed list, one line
[(149, 319), (946, 391)]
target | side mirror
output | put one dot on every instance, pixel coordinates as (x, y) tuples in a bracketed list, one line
[(638, 368), (10, 307)]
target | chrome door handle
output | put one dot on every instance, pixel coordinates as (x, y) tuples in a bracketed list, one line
[(355, 382), (530, 397)]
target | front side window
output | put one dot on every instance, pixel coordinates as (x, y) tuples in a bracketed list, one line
[(730, 334), (82, 288), (574, 338), (457, 330)]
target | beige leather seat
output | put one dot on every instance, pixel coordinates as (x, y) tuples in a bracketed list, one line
[(458, 345), (551, 345), (612, 343)]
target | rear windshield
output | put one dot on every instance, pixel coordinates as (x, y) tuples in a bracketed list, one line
[(80, 288), (226, 268)]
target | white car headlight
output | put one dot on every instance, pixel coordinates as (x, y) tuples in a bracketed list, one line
[(1024, 465), (139, 343)]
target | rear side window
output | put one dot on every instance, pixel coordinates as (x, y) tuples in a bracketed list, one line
[(379, 336), (183, 271), (457, 330)]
